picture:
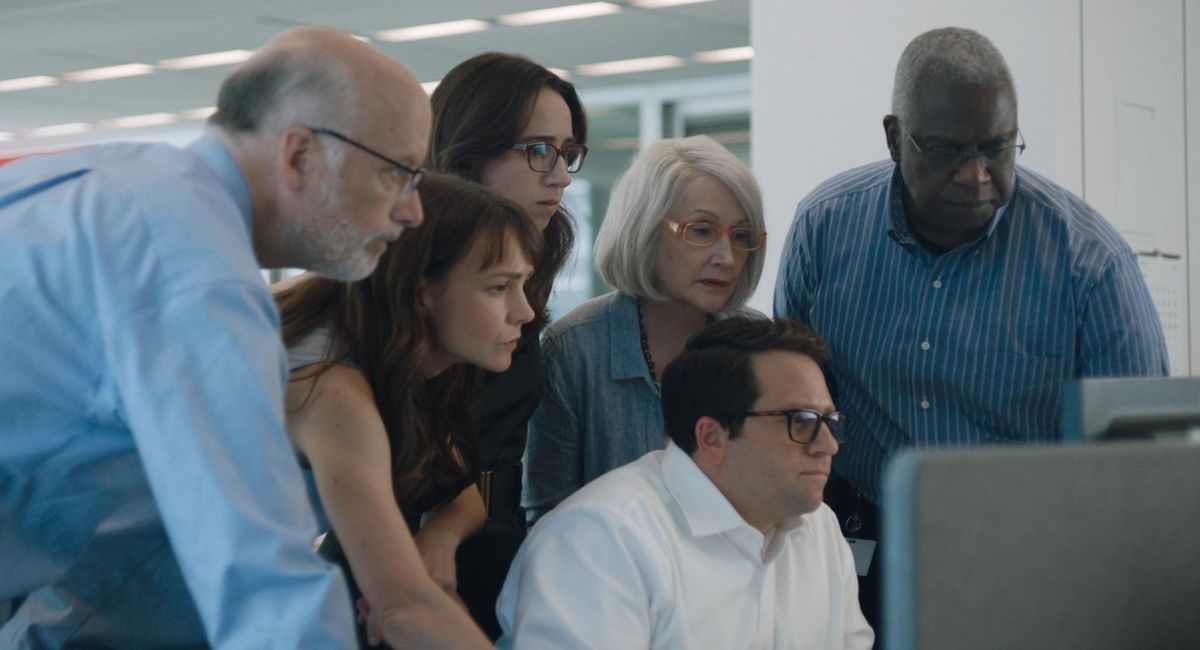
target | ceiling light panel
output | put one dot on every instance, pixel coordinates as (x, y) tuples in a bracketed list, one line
[(198, 113), (558, 14), (626, 66), (70, 128), (109, 72), (658, 4), (206, 60), (26, 83), (434, 30), (726, 55), (139, 121)]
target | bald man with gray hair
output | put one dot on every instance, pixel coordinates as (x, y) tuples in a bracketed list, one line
[(958, 290), (149, 496)]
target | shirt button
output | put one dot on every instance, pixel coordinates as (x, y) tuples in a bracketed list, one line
[(925, 404), (925, 345), (937, 284)]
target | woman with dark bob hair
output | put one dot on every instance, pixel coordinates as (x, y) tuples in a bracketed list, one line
[(516, 127), (383, 370)]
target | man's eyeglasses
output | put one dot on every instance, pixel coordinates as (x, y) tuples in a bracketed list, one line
[(951, 158), (543, 155), (804, 424), (703, 234), (406, 177)]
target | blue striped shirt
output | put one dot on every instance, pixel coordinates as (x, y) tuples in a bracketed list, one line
[(967, 347)]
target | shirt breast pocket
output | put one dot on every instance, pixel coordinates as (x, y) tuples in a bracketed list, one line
[(1015, 396)]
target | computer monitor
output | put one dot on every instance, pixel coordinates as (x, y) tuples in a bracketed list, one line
[(1131, 407), (1043, 547)]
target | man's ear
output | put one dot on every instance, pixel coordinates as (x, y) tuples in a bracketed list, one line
[(297, 145), (712, 440), (891, 131)]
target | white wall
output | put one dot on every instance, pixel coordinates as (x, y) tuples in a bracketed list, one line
[(1191, 69), (1133, 149), (822, 79)]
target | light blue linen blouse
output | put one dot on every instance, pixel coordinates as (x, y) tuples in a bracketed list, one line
[(601, 409)]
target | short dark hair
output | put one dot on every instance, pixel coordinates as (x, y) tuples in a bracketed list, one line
[(713, 373)]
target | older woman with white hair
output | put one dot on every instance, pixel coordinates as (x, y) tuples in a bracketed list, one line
[(682, 244)]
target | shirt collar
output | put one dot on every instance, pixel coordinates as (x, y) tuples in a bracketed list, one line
[(216, 157), (626, 359), (897, 222), (704, 510)]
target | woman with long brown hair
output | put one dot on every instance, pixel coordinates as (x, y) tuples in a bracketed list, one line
[(516, 127), (391, 453)]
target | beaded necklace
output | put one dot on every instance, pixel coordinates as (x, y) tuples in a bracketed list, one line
[(708, 319)]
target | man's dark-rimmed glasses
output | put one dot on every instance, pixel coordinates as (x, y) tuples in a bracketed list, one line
[(804, 424), (953, 158), (406, 177)]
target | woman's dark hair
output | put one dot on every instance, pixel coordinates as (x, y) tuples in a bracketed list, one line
[(377, 323), (713, 374), (479, 109)]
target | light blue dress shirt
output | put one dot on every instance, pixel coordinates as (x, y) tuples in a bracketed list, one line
[(967, 347), (601, 409), (148, 492)]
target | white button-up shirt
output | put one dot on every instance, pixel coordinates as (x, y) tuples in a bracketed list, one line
[(652, 555)]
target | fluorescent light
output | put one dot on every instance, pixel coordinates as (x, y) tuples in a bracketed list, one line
[(560, 73), (5, 136), (206, 60), (724, 56), (658, 4), (198, 113), (136, 121), (430, 86), (360, 38), (110, 72), (629, 65), (26, 83), (731, 137), (71, 128), (620, 144), (556, 14), (433, 30)]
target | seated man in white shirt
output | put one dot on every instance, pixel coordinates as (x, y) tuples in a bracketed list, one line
[(720, 540)]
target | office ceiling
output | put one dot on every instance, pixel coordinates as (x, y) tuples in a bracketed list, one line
[(55, 37)]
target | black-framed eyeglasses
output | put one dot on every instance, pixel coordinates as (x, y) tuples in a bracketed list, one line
[(703, 234), (804, 424), (953, 158), (406, 177), (542, 155)]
